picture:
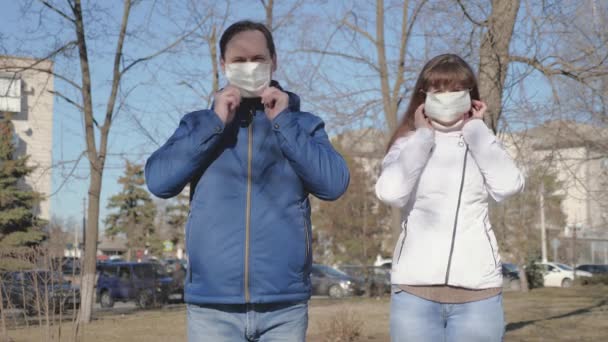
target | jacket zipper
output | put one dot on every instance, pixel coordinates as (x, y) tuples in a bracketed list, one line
[(464, 167), (490, 243), (248, 207), (404, 227)]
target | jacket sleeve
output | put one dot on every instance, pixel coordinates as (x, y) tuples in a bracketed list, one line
[(306, 146), (403, 165), (502, 176), (171, 167)]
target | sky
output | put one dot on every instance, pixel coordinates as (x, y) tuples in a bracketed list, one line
[(157, 94), (156, 98)]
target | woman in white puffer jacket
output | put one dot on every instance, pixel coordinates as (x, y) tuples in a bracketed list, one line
[(441, 166)]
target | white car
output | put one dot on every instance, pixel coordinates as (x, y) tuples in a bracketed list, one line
[(559, 275)]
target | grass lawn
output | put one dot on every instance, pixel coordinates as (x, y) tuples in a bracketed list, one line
[(576, 314)]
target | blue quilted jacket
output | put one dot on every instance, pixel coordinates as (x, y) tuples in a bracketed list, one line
[(248, 235)]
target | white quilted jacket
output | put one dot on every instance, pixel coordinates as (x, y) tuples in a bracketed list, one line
[(442, 182)]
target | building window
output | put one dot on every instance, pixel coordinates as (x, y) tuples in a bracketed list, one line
[(10, 92)]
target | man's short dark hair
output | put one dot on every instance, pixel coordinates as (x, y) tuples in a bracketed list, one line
[(246, 25)]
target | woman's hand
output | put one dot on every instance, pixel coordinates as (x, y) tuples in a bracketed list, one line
[(478, 109), (420, 119)]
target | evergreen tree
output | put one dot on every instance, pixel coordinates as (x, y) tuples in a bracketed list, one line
[(134, 212), (18, 224), (177, 215), (353, 228)]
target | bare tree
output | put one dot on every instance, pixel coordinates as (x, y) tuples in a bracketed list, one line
[(374, 49), (72, 14), (572, 57)]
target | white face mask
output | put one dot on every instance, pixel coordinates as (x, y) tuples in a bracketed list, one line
[(447, 107), (251, 77)]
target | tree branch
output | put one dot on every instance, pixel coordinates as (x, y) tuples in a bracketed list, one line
[(66, 178), (163, 50), (43, 59), (340, 54), (58, 11), (554, 69), (59, 76), (87, 101), (359, 30), (402, 47), (67, 99), (390, 114), (466, 14), (145, 131), (287, 15), (117, 75)]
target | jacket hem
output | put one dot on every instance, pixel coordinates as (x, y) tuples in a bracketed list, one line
[(255, 299)]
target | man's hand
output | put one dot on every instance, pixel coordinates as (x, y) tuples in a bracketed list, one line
[(227, 101), (275, 101)]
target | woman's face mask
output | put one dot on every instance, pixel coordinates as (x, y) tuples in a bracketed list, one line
[(250, 77), (447, 107)]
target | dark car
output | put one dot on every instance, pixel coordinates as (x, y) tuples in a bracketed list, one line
[(595, 269), (375, 278), (328, 281), (145, 283), (38, 292), (510, 277), (70, 267)]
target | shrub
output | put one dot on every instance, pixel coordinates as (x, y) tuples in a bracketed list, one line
[(534, 273), (595, 280), (345, 327)]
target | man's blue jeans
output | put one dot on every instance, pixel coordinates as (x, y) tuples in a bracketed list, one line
[(248, 322), (420, 320)]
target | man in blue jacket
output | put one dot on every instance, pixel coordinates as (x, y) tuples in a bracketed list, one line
[(251, 161)]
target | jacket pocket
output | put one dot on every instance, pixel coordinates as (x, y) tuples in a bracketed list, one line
[(485, 228), (307, 232)]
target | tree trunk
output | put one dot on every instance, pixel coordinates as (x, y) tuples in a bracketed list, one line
[(90, 243), (214, 64), (87, 287), (96, 157), (269, 8), (494, 57), (523, 278)]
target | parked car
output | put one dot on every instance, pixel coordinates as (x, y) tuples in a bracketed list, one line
[(328, 281), (510, 277), (595, 269), (70, 268), (376, 277), (38, 291), (559, 275), (145, 283)]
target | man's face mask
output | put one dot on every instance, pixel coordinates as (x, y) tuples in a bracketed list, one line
[(250, 77), (447, 107)]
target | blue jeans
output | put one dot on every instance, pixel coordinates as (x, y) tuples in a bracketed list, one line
[(417, 319), (248, 322)]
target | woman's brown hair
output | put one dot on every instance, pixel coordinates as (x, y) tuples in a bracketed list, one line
[(446, 72)]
